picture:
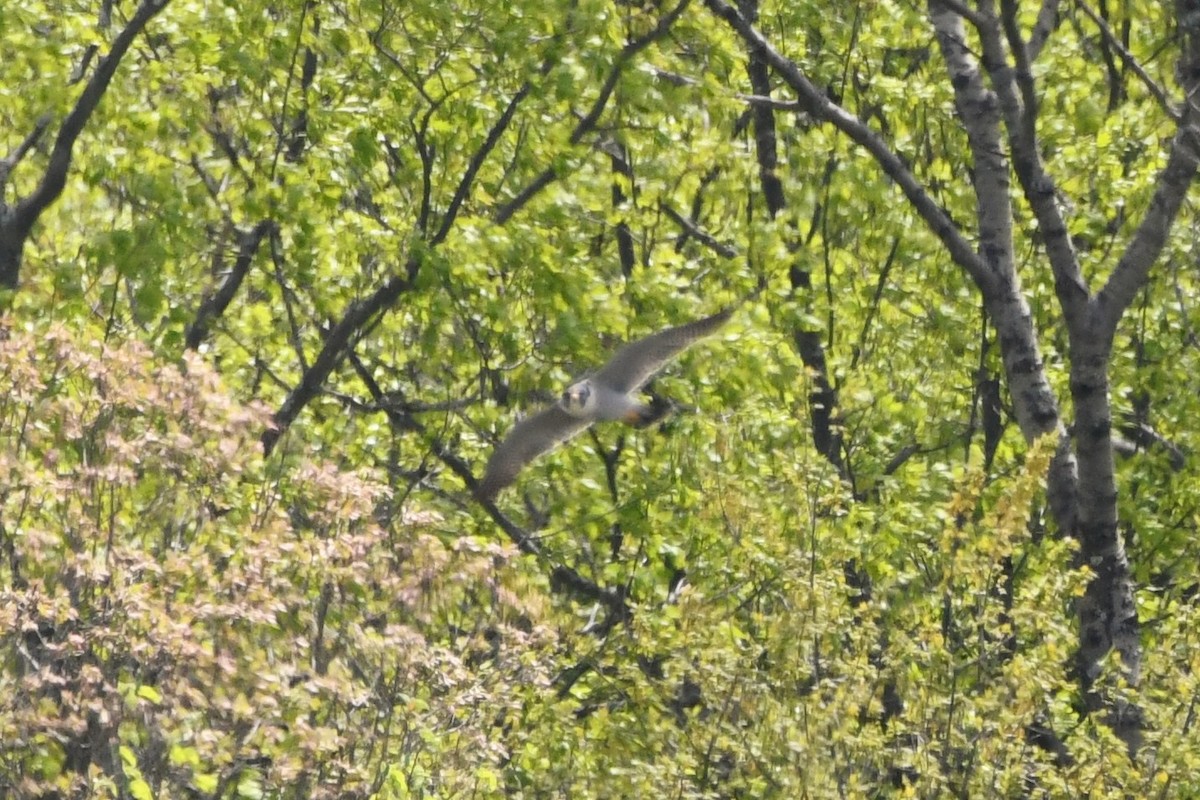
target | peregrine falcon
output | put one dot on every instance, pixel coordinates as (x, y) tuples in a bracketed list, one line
[(608, 394)]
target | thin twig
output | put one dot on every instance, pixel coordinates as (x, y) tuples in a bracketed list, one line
[(698, 233), (14, 158), (1152, 86), (588, 121)]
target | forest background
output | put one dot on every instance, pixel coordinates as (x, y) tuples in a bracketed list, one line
[(278, 276)]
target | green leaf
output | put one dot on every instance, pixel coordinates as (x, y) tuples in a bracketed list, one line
[(206, 782), (250, 788)]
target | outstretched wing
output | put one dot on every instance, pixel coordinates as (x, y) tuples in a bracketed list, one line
[(530, 438), (635, 363)]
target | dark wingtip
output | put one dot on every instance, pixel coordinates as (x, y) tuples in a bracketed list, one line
[(485, 491), (652, 413)]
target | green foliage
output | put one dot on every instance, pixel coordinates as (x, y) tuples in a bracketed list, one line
[(182, 615), (264, 634)]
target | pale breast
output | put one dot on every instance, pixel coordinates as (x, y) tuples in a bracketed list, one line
[(611, 404)]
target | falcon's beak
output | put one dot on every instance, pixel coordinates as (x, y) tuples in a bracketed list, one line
[(576, 396)]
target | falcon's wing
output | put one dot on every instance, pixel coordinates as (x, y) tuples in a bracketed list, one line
[(635, 363), (530, 438)]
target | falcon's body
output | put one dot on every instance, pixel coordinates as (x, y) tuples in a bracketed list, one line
[(594, 401), (606, 395)]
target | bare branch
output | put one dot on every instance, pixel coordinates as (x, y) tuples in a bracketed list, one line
[(1142, 436), (622, 167), (289, 299), (901, 457), (627, 53), (506, 211), (675, 79), (876, 300), (225, 143), (464, 186), (210, 183), (397, 403), (81, 68), (426, 154), (766, 141), (1024, 70)]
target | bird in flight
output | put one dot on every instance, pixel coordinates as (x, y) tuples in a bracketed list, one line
[(608, 394)]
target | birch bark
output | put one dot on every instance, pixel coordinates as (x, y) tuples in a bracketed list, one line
[(996, 100)]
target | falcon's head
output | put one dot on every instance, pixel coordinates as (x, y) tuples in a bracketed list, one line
[(579, 400)]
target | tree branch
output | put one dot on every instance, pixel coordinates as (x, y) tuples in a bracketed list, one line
[(699, 234), (17, 223), (360, 313), (966, 12), (1171, 188), (979, 115), (1133, 268), (1047, 21), (675, 79), (1023, 76), (215, 304), (464, 186), (1038, 187), (589, 120), (289, 299), (1035, 403), (14, 158), (337, 342), (825, 424), (1152, 86), (299, 125), (814, 101)]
